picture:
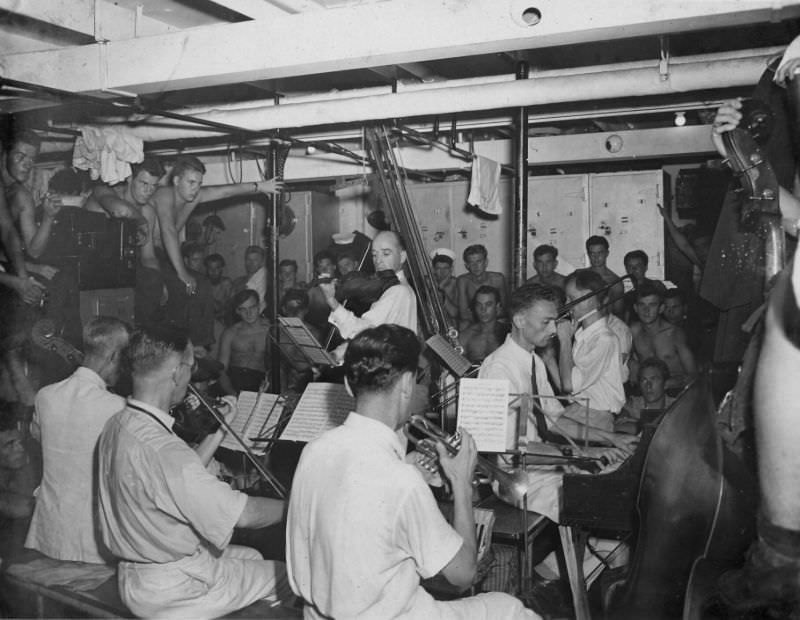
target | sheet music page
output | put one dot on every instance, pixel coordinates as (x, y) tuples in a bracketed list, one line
[(483, 412), (257, 422), (322, 407), (312, 350)]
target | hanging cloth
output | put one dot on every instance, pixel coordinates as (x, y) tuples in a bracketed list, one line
[(484, 192)]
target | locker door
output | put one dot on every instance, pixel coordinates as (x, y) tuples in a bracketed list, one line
[(432, 210), (471, 226), (623, 209), (558, 216)]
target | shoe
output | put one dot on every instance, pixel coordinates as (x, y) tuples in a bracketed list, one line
[(548, 598)]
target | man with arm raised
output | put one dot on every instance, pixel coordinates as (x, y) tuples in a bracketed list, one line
[(174, 204)]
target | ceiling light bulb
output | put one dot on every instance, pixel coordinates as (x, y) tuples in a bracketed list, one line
[(680, 119)]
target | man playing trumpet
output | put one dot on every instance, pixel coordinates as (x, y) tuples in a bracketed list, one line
[(363, 526)]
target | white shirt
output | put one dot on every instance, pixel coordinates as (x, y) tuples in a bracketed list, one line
[(397, 305), (513, 363), (157, 501), (363, 528), (597, 370), (623, 334), (69, 417)]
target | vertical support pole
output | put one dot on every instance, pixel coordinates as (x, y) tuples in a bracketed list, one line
[(273, 284), (520, 224)]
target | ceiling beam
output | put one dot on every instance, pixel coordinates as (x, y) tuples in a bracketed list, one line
[(74, 15), (254, 9), (390, 33)]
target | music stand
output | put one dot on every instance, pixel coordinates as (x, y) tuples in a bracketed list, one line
[(294, 339)]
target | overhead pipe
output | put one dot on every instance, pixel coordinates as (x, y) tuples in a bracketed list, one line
[(520, 221), (684, 76)]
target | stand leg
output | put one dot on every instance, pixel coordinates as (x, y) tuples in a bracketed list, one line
[(573, 544)]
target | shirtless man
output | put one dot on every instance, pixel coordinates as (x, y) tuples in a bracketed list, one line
[(132, 199), (243, 345), (482, 338), (597, 250), (545, 262), (654, 336), (476, 260), (174, 204), (442, 261), (63, 306)]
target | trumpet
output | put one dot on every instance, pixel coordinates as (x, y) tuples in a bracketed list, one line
[(512, 486)]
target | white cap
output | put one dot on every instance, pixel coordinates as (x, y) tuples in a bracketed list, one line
[(343, 238), (443, 252)]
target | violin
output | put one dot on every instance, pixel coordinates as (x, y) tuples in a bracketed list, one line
[(363, 288)]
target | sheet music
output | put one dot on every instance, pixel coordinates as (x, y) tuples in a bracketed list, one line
[(311, 349), (256, 424), (483, 412), (457, 363), (322, 407)]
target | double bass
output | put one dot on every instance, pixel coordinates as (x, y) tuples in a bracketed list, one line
[(697, 500)]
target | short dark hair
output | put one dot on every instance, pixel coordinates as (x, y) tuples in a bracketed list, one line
[(288, 262), (634, 254), (322, 255), (441, 258), (150, 165), (184, 163), (296, 295), (528, 294), (151, 345), (213, 258), (69, 181), (475, 249), (543, 249), (255, 249), (596, 240), (242, 296), (676, 293), (346, 254), (377, 357), (651, 287), (23, 136), (191, 247), (485, 289), (587, 280), (658, 364)]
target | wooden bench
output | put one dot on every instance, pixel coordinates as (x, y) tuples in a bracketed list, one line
[(36, 586)]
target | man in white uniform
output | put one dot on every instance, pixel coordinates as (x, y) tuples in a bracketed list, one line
[(69, 417), (363, 526), (590, 363), (397, 304), (161, 513)]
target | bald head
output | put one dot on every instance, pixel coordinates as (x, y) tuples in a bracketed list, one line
[(388, 251)]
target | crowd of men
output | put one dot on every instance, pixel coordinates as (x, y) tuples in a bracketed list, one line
[(119, 485)]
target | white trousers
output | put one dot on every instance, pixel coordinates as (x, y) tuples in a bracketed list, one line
[(201, 585)]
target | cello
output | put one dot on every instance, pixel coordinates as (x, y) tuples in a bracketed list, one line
[(697, 500)]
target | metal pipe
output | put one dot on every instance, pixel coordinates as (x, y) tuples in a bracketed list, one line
[(590, 85), (520, 222), (273, 281)]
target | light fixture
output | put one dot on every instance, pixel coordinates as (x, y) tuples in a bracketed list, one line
[(680, 119), (614, 143)]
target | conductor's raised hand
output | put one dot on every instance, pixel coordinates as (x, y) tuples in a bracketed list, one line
[(727, 118), (459, 467), (271, 186)]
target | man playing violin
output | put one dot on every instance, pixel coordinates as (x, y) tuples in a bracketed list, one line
[(363, 526), (397, 304), (166, 518)]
